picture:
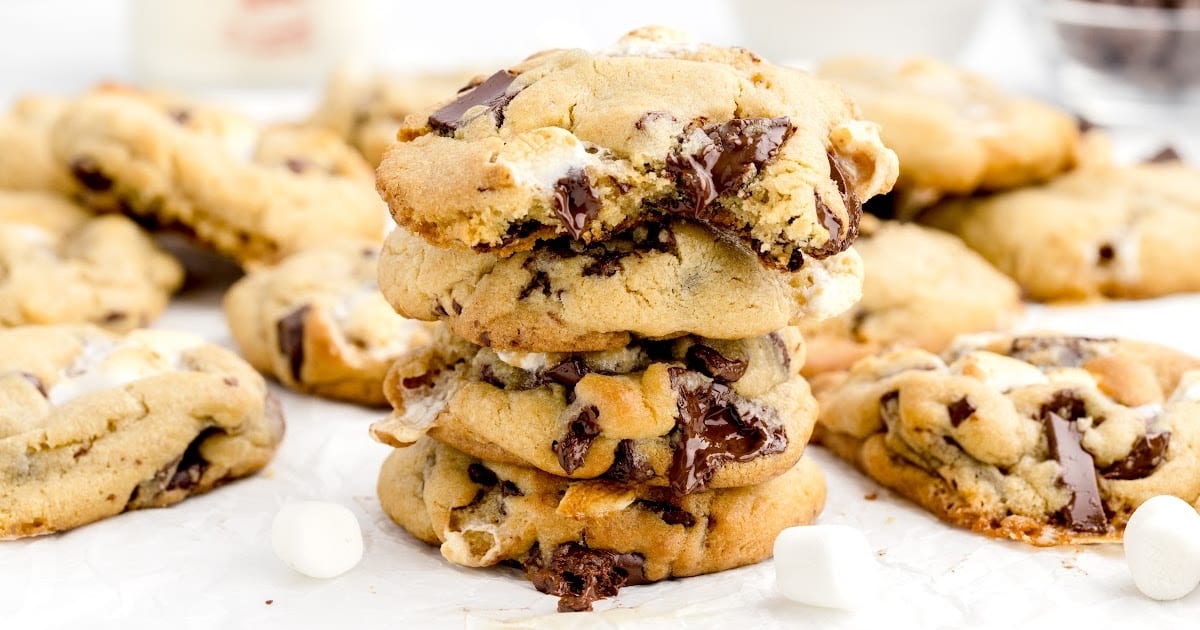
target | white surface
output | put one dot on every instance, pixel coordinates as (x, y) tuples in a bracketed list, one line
[(320, 539), (1162, 547), (832, 566)]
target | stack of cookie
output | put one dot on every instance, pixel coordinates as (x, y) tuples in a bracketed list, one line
[(616, 245)]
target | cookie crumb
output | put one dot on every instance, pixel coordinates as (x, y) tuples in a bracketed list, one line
[(871, 496)]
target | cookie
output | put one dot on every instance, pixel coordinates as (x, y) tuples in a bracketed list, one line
[(61, 264), (1043, 439), (569, 143), (921, 288), (1096, 232), (317, 323), (93, 424), (653, 281), (366, 108), (955, 132), (583, 540), (253, 194), (689, 413), (26, 162)]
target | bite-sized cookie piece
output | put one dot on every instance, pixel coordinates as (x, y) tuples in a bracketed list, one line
[(366, 108), (956, 133), (61, 264), (569, 143), (584, 540), (1043, 439), (690, 413), (26, 162), (921, 288), (93, 424), (254, 194), (1096, 232), (654, 281), (317, 322)]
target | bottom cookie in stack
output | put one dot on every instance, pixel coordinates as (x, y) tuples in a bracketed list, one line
[(582, 540)]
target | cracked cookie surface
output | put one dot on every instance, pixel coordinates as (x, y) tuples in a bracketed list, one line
[(61, 264), (318, 324), (93, 424), (583, 540), (1044, 439), (587, 145), (1097, 232), (688, 413), (656, 282)]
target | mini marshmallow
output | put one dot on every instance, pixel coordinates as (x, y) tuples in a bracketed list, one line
[(998, 371), (1162, 547), (317, 538), (831, 566)]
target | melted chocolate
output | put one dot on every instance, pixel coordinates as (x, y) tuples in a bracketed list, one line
[(706, 360), (1057, 351), (86, 170), (715, 425), (830, 220), (650, 117), (35, 381), (192, 464), (568, 373), (539, 282), (573, 448), (736, 147), (579, 575), (960, 410), (1085, 510), (1167, 154), (629, 466), (481, 475), (1145, 456), (575, 202), (670, 513), (491, 94), (289, 334)]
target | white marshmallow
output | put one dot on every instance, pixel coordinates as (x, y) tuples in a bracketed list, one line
[(1162, 547), (317, 538), (831, 566)]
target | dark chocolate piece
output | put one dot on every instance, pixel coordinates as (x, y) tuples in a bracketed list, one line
[(1167, 154), (1062, 351), (192, 464), (650, 117), (736, 147), (716, 425), (960, 410), (491, 94), (706, 360), (1085, 510), (539, 282), (567, 373), (579, 575), (289, 335), (86, 170), (670, 513), (830, 220), (482, 475), (575, 202), (35, 381), (573, 448), (629, 466), (297, 165), (1145, 456)]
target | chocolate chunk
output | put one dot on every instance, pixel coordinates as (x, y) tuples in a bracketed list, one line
[(567, 373), (86, 170), (1057, 351), (510, 489), (180, 115), (670, 513), (298, 165), (1106, 254), (706, 360), (716, 425), (113, 317), (192, 464), (487, 374), (575, 201), (1084, 124), (960, 410), (1085, 510), (579, 575), (606, 265), (481, 475), (1167, 154), (736, 147), (882, 206), (573, 448), (289, 335), (650, 117), (539, 282), (830, 220), (1145, 456), (35, 381), (629, 466), (491, 94), (419, 381)]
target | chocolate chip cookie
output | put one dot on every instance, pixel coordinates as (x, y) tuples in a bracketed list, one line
[(570, 143), (26, 162), (254, 194), (689, 413), (1043, 439), (93, 424), (1096, 232), (922, 288), (317, 322), (583, 540), (61, 264), (654, 281), (956, 133)]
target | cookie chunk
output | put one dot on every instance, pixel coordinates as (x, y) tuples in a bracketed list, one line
[(921, 288), (583, 540), (1097, 232), (366, 108), (569, 143), (1043, 439), (689, 413), (254, 194), (653, 281), (93, 424), (317, 322), (61, 264), (26, 162), (955, 132)]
